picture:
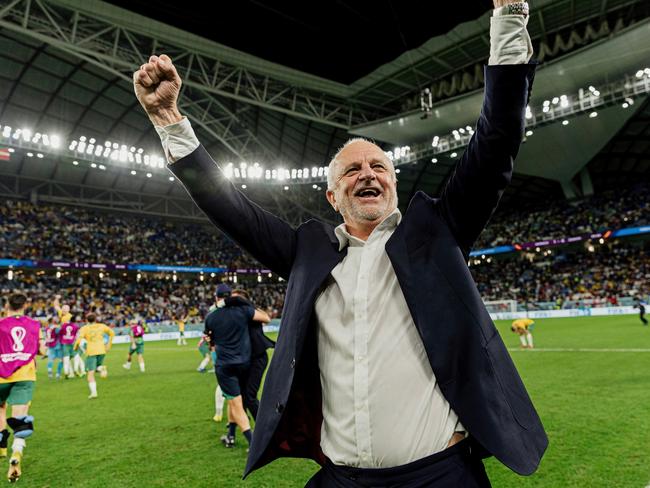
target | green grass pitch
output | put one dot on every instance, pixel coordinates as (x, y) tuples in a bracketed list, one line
[(156, 429)]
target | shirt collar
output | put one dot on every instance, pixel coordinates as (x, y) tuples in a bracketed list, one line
[(391, 221)]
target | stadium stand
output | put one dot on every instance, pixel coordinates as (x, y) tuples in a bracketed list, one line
[(562, 278), (614, 209)]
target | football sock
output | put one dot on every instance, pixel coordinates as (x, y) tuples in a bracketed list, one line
[(232, 426), (18, 445), (93, 388), (249, 435)]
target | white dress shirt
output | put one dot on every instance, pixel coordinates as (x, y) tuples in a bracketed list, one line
[(382, 406)]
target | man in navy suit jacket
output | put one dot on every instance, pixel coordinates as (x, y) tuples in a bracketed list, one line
[(388, 369)]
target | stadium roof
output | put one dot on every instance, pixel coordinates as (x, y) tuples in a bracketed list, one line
[(65, 68)]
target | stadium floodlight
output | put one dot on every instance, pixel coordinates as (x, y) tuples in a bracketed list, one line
[(259, 278), (102, 167), (10, 275), (593, 114), (434, 160), (93, 165), (30, 155), (453, 155), (134, 172), (555, 100), (76, 163), (286, 188), (39, 155), (149, 175), (565, 122), (314, 186), (529, 133), (625, 105), (435, 141), (244, 187), (171, 178)]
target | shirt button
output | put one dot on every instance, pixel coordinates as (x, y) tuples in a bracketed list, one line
[(293, 363), (361, 358), (279, 408)]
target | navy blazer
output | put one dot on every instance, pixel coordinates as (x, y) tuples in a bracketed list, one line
[(429, 251)]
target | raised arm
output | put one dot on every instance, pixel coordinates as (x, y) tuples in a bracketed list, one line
[(268, 238), (485, 169), (261, 316)]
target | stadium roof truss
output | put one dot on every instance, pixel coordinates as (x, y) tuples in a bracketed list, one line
[(68, 64)]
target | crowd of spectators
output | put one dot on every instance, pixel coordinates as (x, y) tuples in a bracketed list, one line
[(118, 299), (600, 278), (59, 233), (608, 210)]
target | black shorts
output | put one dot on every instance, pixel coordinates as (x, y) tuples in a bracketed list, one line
[(232, 378)]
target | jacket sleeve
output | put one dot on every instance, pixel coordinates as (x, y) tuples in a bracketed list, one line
[(268, 238), (474, 188)]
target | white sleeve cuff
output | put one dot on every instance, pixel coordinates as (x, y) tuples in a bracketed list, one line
[(178, 140), (509, 39)]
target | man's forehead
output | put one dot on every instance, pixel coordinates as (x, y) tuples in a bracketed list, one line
[(361, 151)]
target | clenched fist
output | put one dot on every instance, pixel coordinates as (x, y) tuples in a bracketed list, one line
[(157, 86)]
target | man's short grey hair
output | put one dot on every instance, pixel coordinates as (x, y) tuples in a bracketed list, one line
[(331, 170)]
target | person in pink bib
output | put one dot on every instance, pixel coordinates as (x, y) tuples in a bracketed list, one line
[(20, 342), (67, 336), (137, 346)]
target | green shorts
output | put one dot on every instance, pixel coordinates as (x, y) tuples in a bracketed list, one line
[(68, 350), (138, 348), (94, 362), (17, 393), (204, 349)]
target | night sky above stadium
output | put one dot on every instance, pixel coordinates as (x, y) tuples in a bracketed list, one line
[(341, 41)]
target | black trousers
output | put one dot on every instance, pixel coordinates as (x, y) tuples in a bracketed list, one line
[(452, 468), (253, 383)]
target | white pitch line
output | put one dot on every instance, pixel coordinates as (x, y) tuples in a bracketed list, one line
[(577, 349)]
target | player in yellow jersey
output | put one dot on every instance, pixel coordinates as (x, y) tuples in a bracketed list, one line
[(93, 333), (181, 331), (20, 341), (522, 328)]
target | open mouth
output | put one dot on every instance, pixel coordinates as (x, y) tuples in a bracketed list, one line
[(367, 193)]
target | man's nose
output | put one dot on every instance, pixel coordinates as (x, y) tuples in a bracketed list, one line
[(367, 172)]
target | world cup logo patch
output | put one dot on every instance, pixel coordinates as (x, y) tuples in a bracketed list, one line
[(18, 334)]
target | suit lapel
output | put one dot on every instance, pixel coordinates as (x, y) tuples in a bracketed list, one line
[(398, 254), (319, 269)]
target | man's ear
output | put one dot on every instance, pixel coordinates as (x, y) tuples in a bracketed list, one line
[(332, 199)]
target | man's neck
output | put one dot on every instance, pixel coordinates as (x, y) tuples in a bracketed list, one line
[(361, 231)]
